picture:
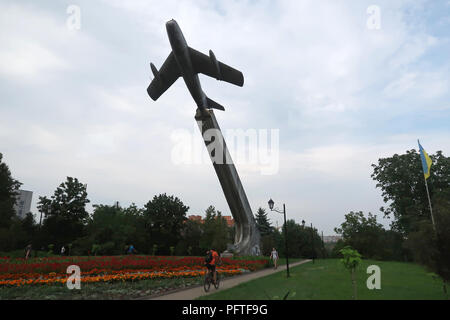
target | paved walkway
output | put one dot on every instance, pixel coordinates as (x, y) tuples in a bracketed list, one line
[(192, 293)]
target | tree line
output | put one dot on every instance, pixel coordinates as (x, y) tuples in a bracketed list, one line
[(161, 227)]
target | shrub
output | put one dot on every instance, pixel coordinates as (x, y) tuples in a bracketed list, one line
[(351, 259)]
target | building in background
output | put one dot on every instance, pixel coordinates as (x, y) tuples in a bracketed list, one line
[(228, 219), (331, 239), (196, 218), (23, 203)]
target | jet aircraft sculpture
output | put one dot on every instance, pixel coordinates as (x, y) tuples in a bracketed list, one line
[(186, 62)]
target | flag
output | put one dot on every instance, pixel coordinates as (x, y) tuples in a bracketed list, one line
[(426, 161)]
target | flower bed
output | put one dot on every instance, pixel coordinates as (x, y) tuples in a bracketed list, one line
[(19, 272)]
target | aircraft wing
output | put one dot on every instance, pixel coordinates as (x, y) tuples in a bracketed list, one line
[(215, 69), (164, 78)]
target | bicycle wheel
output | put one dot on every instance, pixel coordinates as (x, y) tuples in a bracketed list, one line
[(207, 283), (217, 283)]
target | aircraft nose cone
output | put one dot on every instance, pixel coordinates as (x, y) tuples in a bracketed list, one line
[(171, 25), (174, 33)]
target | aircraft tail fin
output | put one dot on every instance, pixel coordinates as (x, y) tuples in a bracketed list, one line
[(214, 105)]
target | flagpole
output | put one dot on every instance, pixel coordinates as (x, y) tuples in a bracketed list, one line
[(429, 203), (422, 155), (438, 242)]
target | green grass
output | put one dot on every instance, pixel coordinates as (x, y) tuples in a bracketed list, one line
[(329, 280)]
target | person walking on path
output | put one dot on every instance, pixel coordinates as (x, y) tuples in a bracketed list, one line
[(63, 250), (274, 257), (28, 251)]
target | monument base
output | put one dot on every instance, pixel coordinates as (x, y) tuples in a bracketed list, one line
[(226, 254)]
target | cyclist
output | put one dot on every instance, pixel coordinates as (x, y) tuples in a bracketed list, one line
[(213, 258)]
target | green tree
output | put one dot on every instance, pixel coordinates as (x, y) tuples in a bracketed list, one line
[(69, 201), (370, 238), (360, 232), (267, 231), (65, 212), (263, 223), (8, 194), (268, 242), (113, 228), (208, 229), (442, 236), (302, 241), (336, 249), (401, 181), (15, 232), (192, 234), (351, 259), (216, 233), (164, 220), (298, 240), (222, 234), (136, 233), (23, 231), (431, 247)]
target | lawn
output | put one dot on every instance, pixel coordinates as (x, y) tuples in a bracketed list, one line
[(328, 280)]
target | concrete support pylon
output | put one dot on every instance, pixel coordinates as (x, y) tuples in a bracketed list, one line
[(247, 237)]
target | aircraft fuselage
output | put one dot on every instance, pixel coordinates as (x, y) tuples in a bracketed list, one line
[(180, 50)]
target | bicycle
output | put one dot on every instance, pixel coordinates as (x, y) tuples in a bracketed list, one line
[(209, 279)]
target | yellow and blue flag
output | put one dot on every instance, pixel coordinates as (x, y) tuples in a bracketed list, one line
[(426, 161)]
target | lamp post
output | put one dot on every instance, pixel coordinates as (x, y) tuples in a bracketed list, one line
[(312, 243), (40, 221), (271, 203)]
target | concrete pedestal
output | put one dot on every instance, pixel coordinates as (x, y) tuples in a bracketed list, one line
[(247, 238)]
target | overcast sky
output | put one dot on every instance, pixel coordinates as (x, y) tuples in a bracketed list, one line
[(344, 82)]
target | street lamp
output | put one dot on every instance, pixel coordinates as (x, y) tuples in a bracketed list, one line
[(303, 223), (271, 203)]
